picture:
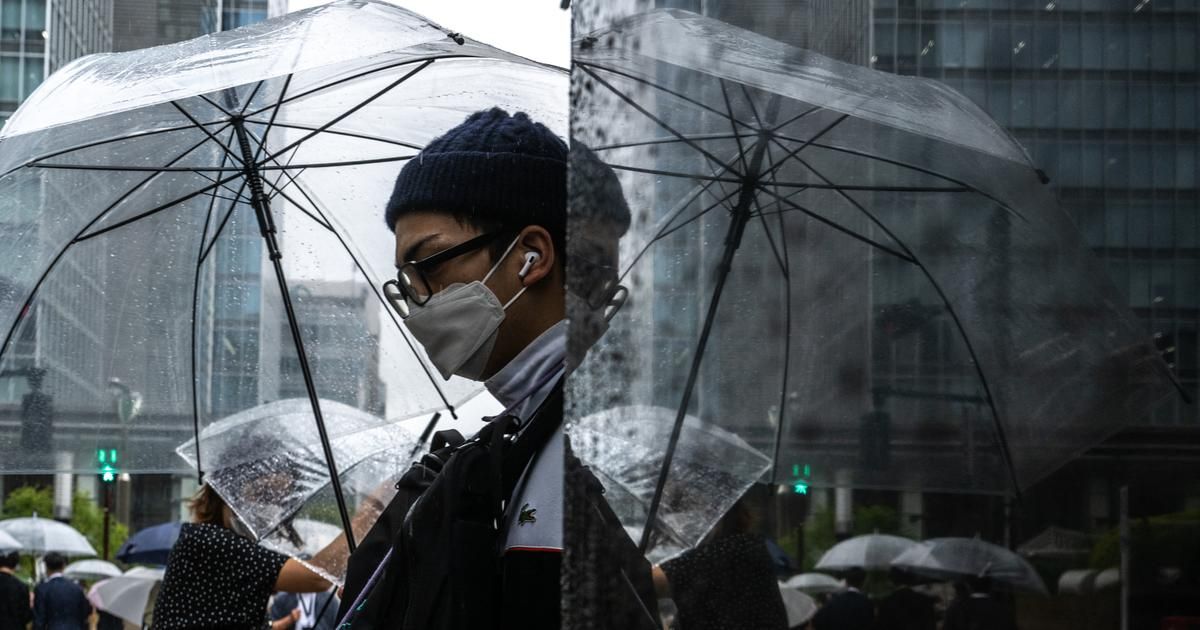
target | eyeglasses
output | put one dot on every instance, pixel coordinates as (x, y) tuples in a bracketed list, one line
[(599, 285), (412, 284)]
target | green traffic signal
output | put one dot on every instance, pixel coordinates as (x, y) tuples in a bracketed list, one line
[(108, 464)]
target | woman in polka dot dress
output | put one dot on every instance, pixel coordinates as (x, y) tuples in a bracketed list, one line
[(217, 578)]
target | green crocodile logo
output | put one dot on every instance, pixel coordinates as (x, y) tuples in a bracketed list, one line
[(527, 515)]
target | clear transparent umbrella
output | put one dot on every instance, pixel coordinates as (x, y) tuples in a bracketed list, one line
[(192, 230), (871, 552), (958, 558), (859, 273), (39, 536), (91, 570), (625, 446)]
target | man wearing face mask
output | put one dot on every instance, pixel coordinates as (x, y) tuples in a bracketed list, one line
[(480, 226)]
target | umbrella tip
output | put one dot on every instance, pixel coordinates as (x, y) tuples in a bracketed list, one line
[(457, 37), (1042, 176)]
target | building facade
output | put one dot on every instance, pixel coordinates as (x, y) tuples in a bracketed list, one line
[(38, 37)]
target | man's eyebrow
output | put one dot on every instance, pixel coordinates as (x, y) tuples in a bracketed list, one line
[(411, 252)]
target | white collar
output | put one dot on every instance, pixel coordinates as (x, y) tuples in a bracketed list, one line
[(54, 575), (534, 366)]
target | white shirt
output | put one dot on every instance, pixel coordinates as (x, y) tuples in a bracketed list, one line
[(533, 518)]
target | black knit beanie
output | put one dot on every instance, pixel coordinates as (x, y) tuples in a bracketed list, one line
[(493, 167)]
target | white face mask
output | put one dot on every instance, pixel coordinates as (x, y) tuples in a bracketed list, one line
[(458, 325)]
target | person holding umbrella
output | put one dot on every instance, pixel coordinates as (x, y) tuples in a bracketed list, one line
[(14, 594), (480, 218), (59, 603), (217, 576)]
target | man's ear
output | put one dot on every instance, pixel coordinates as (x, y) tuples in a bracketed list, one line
[(535, 239)]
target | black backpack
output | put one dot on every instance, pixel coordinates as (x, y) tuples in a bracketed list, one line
[(432, 560)]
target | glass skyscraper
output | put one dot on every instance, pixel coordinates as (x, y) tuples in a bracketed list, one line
[(38, 37), (1102, 93)]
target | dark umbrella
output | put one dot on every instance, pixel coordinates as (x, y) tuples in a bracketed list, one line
[(196, 226), (151, 545), (857, 272)]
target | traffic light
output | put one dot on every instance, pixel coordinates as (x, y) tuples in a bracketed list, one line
[(801, 475), (107, 458)]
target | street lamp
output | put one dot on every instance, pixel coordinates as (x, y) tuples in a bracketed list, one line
[(127, 404)]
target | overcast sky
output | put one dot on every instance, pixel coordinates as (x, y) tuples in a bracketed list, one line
[(536, 29)]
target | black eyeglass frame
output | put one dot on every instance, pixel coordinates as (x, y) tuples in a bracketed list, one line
[(399, 292)]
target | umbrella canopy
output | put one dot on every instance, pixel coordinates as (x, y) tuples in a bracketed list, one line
[(872, 552), (800, 607), (267, 461), (958, 558), (815, 583), (151, 545), (196, 230), (126, 596), (625, 446), (39, 536), (1057, 543), (859, 273), (8, 543), (91, 570)]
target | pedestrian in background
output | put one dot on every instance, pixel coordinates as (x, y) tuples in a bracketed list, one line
[(14, 594), (849, 610), (728, 581), (59, 603)]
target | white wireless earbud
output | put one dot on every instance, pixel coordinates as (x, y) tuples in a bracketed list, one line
[(530, 259)]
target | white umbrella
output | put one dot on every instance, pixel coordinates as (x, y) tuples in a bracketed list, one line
[(815, 583), (41, 536), (8, 543), (91, 570), (872, 552), (800, 607), (955, 558), (126, 596)]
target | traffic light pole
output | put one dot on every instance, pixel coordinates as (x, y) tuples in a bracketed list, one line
[(107, 517)]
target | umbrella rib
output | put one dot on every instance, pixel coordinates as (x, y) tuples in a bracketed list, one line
[(155, 210), (661, 123), (696, 176), (221, 226), (301, 208), (196, 123), (1005, 453), (250, 99), (357, 107), (776, 128), (195, 307), (96, 143), (733, 126), (674, 212), (262, 143), (585, 66), (694, 137), (851, 233), (918, 169), (750, 102), (349, 134), (62, 251), (675, 228), (429, 59)]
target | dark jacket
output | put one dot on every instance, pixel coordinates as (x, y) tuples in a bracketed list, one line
[(59, 604), (850, 610), (14, 602)]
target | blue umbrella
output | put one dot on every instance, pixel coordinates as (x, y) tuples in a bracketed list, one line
[(149, 546)]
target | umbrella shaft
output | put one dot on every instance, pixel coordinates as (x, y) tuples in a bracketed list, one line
[(266, 224)]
